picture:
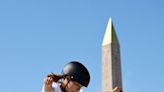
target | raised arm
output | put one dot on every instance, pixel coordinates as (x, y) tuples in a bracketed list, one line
[(47, 86)]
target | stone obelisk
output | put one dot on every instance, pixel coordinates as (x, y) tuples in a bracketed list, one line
[(111, 64)]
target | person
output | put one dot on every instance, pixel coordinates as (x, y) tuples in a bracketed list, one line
[(74, 76), (117, 89)]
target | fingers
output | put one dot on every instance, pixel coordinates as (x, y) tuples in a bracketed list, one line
[(116, 89), (55, 76), (50, 75), (48, 81)]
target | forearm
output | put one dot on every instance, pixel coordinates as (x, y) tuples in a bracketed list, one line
[(47, 86), (47, 89)]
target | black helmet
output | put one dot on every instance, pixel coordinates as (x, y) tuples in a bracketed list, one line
[(78, 72)]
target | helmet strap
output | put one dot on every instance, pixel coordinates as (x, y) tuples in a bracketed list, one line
[(63, 86)]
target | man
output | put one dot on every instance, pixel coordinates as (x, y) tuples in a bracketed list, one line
[(74, 74)]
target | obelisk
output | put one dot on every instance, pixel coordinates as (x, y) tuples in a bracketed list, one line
[(111, 64)]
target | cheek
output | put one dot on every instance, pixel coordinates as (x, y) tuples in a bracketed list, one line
[(76, 88), (73, 88)]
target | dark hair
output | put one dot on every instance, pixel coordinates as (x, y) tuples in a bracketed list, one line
[(55, 77)]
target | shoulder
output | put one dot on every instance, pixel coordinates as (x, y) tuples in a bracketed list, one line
[(80, 90)]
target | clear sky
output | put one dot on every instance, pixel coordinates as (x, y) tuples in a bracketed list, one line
[(40, 36)]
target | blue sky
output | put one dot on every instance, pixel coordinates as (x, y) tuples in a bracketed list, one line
[(40, 36)]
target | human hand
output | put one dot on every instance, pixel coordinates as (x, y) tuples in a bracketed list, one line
[(55, 77), (116, 89), (48, 81)]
